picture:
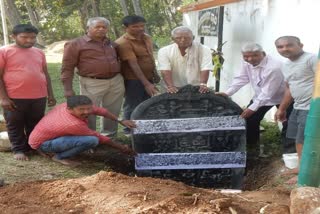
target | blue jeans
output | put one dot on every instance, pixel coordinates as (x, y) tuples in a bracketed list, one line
[(68, 146)]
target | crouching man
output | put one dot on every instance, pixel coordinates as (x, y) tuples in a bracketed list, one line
[(64, 131)]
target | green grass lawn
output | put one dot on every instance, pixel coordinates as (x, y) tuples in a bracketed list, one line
[(54, 71)]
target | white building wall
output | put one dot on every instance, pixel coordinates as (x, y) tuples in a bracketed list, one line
[(261, 21)]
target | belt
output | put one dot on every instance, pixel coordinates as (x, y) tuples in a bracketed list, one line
[(99, 78)]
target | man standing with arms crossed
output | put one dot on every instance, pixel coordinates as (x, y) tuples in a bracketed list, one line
[(25, 87), (299, 71), (95, 58)]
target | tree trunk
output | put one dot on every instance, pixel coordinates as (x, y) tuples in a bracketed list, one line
[(137, 7), (13, 14), (115, 32), (169, 5), (138, 11), (84, 15), (167, 17), (34, 21), (94, 8), (124, 7)]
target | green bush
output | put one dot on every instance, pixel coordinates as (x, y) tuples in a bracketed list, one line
[(161, 41), (271, 138)]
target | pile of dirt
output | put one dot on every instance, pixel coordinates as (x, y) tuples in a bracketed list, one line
[(109, 192), (54, 52), (56, 47), (113, 192)]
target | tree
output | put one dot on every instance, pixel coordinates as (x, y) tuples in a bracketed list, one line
[(84, 14), (94, 8), (66, 19), (137, 7), (13, 14), (34, 21), (171, 8), (124, 7)]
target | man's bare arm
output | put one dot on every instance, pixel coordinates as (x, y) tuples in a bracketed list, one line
[(150, 88), (204, 76), (51, 100), (69, 62), (286, 101), (167, 78), (5, 101)]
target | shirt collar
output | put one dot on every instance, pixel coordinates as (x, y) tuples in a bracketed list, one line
[(129, 36), (88, 39), (262, 64), (188, 48)]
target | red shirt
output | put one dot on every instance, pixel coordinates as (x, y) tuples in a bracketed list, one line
[(59, 122), (24, 76)]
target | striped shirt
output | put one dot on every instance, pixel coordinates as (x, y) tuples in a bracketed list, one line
[(60, 122)]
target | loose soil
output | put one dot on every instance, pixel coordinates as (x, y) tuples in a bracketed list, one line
[(42, 186), (109, 192)]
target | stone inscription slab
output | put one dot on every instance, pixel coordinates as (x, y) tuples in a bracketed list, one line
[(158, 161), (189, 125), (190, 122), (210, 141), (187, 103)]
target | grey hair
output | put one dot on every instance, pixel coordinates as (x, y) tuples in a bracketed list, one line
[(179, 29), (251, 47), (93, 20)]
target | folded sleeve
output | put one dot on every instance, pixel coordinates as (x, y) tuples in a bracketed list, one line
[(238, 81), (163, 60)]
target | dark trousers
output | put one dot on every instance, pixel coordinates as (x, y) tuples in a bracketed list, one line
[(21, 122), (134, 95), (289, 145), (253, 126)]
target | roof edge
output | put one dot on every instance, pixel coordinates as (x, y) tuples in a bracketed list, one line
[(207, 4)]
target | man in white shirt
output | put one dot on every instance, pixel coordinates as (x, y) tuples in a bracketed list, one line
[(184, 62), (265, 76), (299, 71)]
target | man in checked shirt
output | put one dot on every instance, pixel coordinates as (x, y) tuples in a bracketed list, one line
[(266, 78), (64, 131)]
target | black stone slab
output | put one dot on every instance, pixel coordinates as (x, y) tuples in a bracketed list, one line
[(210, 141), (189, 125), (187, 103), (160, 161), (190, 135)]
